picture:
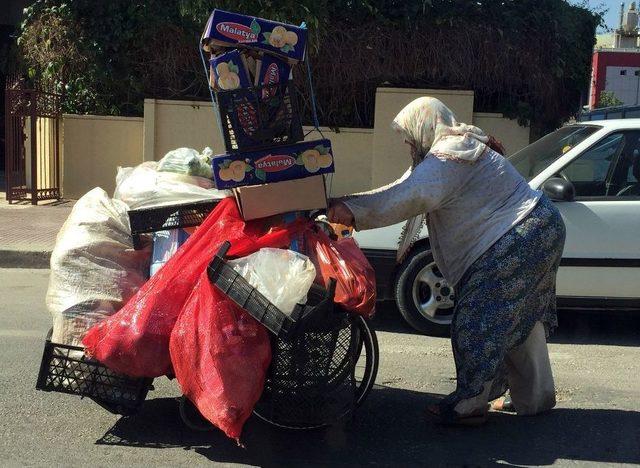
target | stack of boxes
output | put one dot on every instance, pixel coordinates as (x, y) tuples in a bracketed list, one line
[(269, 167)]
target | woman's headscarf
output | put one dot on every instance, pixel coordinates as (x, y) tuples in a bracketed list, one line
[(431, 127)]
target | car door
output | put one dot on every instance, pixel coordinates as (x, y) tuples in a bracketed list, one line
[(602, 251)]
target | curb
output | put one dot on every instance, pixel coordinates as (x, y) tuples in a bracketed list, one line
[(24, 259)]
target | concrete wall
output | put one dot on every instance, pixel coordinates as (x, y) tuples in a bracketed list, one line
[(390, 156), (92, 149), (513, 136)]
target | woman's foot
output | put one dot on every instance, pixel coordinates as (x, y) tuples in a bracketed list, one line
[(451, 418), (503, 404)]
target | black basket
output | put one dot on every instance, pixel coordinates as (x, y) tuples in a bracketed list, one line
[(145, 220), (259, 117), (317, 312), (66, 369), (311, 380)]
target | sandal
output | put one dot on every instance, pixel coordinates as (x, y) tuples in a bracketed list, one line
[(504, 404), (451, 418)]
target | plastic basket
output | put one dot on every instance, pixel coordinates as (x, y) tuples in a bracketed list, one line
[(259, 117), (65, 369), (146, 220), (311, 380), (317, 312)]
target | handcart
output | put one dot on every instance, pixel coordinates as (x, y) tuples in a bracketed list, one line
[(324, 362)]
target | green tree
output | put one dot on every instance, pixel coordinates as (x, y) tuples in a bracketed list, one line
[(608, 99)]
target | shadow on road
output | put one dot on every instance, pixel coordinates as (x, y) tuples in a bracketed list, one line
[(390, 430)]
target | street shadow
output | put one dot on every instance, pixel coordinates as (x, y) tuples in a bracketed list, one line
[(390, 430)]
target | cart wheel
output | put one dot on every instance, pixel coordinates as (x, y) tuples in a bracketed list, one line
[(366, 370), (368, 362), (191, 417)]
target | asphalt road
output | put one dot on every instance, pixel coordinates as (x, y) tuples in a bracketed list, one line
[(596, 364)]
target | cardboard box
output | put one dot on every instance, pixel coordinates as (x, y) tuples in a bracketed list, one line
[(230, 71), (233, 29), (261, 201), (296, 161), (271, 71)]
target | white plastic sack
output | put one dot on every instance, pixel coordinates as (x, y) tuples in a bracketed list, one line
[(282, 276), (94, 269), (144, 186), (187, 161)]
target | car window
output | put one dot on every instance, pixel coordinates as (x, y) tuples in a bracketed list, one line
[(536, 157), (607, 169)]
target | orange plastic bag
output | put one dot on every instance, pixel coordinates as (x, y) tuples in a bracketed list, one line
[(135, 340), (344, 261), (220, 356)]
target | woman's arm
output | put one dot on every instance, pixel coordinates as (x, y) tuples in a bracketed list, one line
[(420, 191)]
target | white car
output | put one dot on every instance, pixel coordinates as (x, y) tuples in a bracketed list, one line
[(592, 172)]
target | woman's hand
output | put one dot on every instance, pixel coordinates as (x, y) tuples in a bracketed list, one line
[(339, 213)]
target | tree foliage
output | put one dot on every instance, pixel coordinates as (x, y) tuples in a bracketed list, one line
[(608, 99), (527, 58)]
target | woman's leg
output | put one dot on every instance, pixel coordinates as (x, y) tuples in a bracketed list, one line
[(530, 376)]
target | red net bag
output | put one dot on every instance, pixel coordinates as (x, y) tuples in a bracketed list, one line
[(343, 260), (220, 357), (135, 340)]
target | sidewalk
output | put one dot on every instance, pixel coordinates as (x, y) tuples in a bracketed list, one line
[(28, 233)]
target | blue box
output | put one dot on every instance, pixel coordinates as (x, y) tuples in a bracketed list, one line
[(230, 71), (233, 29), (296, 161)]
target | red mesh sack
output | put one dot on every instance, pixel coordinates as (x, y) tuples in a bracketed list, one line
[(220, 357), (135, 340), (343, 260)]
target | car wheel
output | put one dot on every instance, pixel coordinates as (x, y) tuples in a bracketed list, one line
[(423, 296)]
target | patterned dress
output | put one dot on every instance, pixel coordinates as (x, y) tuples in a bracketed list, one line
[(501, 297)]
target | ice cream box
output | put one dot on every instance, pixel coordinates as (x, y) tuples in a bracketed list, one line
[(276, 164), (225, 28), (230, 71)]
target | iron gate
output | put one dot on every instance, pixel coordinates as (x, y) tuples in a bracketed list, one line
[(32, 143)]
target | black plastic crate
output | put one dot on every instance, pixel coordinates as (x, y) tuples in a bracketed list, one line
[(65, 369), (146, 220), (317, 312), (259, 117), (311, 380)]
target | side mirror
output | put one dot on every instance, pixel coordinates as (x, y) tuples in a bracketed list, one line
[(559, 189)]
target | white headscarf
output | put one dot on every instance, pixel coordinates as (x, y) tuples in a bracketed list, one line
[(432, 128)]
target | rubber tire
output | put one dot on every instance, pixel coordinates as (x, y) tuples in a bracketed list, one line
[(403, 293)]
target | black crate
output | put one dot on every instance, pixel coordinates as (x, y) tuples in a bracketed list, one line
[(65, 369), (311, 380), (259, 117), (317, 312), (145, 220)]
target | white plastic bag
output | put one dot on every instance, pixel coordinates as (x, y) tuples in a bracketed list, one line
[(94, 269), (187, 161), (144, 186), (282, 276)]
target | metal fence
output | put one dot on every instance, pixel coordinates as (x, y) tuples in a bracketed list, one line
[(32, 143)]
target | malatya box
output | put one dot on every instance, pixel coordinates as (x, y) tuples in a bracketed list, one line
[(230, 71), (225, 28), (276, 164)]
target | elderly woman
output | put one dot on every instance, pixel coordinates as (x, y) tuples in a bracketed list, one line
[(493, 237)]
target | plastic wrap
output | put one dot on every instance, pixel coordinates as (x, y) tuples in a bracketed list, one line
[(94, 269), (144, 186), (165, 245), (282, 276), (135, 341), (187, 161)]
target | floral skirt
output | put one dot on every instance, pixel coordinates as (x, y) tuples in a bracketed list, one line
[(501, 297)]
